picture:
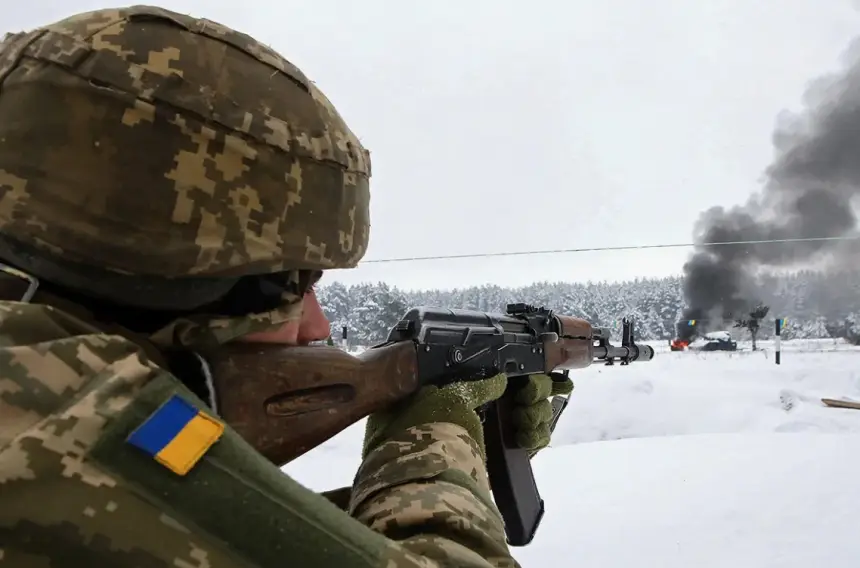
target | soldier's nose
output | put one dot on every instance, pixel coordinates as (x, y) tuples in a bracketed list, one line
[(314, 325)]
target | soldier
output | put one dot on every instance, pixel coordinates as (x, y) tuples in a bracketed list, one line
[(167, 186)]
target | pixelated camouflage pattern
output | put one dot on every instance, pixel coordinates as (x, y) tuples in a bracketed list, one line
[(70, 394), (50, 417), (430, 483), (150, 142)]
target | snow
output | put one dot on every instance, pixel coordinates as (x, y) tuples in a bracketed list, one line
[(719, 459), (718, 335), (721, 500)]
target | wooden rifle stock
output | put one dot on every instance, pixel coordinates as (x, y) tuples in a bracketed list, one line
[(285, 401)]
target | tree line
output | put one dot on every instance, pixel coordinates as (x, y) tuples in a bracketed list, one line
[(814, 304)]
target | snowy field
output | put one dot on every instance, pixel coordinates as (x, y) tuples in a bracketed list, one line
[(693, 459)]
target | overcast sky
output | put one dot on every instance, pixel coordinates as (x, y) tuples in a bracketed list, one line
[(500, 126)]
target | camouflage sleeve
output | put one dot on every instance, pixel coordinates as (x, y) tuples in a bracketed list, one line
[(55, 503), (427, 490)]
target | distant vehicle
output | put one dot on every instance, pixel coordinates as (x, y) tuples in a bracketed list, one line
[(719, 341)]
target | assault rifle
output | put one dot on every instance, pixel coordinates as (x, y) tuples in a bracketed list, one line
[(306, 395)]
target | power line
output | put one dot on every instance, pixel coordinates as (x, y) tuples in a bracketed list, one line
[(613, 248)]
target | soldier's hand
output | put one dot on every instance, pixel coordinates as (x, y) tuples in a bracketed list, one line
[(455, 403), (532, 413)]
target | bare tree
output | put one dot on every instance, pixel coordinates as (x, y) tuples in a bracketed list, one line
[(753, 322)]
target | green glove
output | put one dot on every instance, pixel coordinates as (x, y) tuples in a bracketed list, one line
[(532, 411), (455, 403)]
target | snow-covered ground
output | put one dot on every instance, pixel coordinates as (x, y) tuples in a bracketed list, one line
[(692, 459)]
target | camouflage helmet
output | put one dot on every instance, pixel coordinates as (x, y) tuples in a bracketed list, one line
[(138, 145)]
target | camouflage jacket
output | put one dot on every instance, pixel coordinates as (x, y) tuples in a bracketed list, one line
[(75, 491)]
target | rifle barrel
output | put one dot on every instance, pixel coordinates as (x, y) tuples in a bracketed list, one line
[(630, 353)]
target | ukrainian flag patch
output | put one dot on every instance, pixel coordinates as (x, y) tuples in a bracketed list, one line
[(177, 435)]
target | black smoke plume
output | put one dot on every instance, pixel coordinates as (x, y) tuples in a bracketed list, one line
[(808, 192)]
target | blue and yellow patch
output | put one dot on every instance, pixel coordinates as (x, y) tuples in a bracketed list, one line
[(177, 435)]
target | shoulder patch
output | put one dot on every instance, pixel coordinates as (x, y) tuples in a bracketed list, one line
[(177, 435)]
